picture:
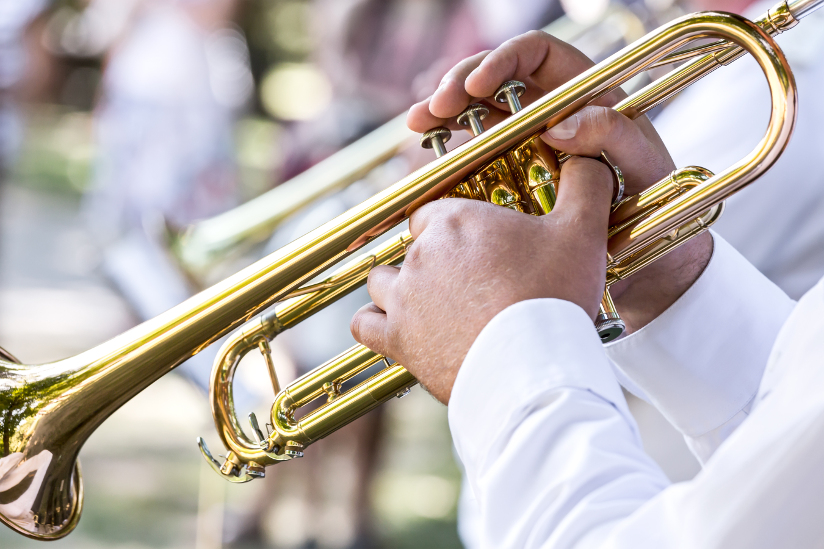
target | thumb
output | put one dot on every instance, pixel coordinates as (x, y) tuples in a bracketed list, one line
[(370, 327), (594, 129)]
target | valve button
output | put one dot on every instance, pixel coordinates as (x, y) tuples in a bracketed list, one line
[(435, 139), (472, 116), (509, 92)]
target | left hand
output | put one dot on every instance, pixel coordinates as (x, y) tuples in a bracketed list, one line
[(471, 260)]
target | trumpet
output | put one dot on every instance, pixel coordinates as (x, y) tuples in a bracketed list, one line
[(48, 411), (510, 166)]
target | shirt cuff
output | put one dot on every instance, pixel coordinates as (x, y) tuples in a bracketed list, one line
[(701, 361), (528, 348)]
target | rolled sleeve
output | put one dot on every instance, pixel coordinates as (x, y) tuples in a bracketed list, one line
[(700, 362)]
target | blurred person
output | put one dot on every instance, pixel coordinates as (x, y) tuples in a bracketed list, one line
[(15, 62), (373, 53), (551, 451), (173, 86), (776, 222), (499, 21)]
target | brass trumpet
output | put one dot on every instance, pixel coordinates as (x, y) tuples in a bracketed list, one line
[(510, 166), (48, 411)]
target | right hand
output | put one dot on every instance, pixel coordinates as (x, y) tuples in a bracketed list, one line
[(543, 63)]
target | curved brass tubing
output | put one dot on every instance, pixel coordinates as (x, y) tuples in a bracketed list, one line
[(253, 336)]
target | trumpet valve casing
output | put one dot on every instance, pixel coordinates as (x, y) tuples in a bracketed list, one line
[(524, 179)]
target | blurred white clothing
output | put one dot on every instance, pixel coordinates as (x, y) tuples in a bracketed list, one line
[(15, 16), (554, 457), (165, 127), (166, 142), (776, 221)]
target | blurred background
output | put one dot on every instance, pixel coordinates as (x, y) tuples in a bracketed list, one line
[(123, 120)]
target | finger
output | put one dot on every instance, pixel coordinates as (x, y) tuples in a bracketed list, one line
[(594, 129), (584, 196), (428, 81), (381, 284), (369, 327), (548, 61), (553, 63), (423, 216), (420, 118), (578, 224), (451, 97), (447, 101)]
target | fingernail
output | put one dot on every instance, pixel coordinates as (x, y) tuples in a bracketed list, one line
[(566, 129)]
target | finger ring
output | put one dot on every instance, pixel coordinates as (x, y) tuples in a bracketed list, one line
[(617, 178)]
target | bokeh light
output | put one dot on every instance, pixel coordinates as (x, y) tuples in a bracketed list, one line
[(295, 91)]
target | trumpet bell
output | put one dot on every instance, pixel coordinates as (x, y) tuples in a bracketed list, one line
[(41, 488)]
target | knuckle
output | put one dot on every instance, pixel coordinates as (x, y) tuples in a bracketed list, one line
[(370, 279), (355, 326), (418, 252), (412, 256), (534, 36), (604, 122), (449, 214), (522, 41)]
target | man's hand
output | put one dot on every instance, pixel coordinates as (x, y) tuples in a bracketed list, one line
[(471, 260), (543, 63)]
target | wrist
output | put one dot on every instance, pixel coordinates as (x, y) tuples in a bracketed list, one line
[(648, 293)]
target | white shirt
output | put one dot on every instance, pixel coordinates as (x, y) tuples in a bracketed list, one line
[(775, 222), (553, 456)]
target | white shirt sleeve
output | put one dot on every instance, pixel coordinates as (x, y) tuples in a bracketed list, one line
[(551, 452), (554, 459), (700, 363)]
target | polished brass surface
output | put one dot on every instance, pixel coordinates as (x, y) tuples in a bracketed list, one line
[(509, 165), (608, 322), (48, 411), (210, 240), (349, 277)]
